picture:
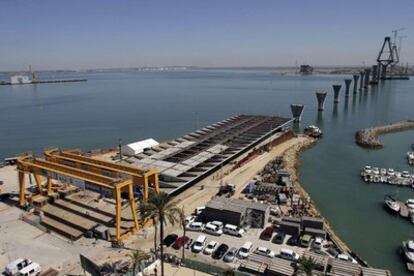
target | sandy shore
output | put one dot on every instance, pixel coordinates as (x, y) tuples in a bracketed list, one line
[(369, 137)]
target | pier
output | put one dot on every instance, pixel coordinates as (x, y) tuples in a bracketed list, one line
[(42, 81)]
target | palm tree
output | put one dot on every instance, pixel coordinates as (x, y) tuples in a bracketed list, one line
[(307, 265), (155, 223), (183, 224), (160, 207), (137, 256)]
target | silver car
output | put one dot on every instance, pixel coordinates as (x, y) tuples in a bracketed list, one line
[(230, 255)]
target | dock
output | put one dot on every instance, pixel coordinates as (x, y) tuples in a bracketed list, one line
[(42, 81)]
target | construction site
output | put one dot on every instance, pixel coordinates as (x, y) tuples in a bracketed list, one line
[(72, 194)]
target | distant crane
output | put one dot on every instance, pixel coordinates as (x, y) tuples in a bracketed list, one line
[(395, 49)]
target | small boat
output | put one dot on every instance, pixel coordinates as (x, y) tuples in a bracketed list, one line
[(392, 203), (408, 250), (375, 171), (383, 171), (313, 131), (391, 172), (410, 203)]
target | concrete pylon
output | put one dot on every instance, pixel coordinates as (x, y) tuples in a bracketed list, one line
[(366, 80), (361, 79), (336, 88), (356, 77), (347, 85), (297, 110), (374, 74), (321, 96)]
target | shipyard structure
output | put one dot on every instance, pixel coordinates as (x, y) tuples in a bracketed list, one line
[(96, 193)]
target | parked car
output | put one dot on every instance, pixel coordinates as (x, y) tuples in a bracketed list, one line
[(317, 243), (169, 240), (305, 240), (230, 255), (288, 254), (211, 246), (264, 252), (213, 229), (190, 219), (279, 238), (220, 251), (199, 244), (14, 267), (219, 224), (293, 240), (267, 233), (233, 230), (195, 226), (245, 250), (346, 258), (180, 242)]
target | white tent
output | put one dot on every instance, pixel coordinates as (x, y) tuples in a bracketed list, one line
[(138, 147)]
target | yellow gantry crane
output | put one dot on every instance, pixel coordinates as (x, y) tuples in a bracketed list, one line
[(107, 178)]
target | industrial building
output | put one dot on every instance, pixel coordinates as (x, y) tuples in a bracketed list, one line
[(238, 212), (184, 161)]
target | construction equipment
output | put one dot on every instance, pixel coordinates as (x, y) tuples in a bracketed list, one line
[(385, 57), (106, 178)]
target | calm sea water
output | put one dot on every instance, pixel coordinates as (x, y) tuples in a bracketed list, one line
[(164, 105)]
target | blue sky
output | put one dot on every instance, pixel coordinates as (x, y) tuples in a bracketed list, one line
[(80, 34)]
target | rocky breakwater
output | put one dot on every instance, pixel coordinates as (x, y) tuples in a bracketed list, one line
[(369, 137)]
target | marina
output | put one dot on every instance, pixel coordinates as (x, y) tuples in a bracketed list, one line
[(388, 176)]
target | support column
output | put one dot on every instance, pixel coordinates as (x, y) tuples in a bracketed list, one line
[(361, 79), (38, 179), (337, 89), (367, 73), (356, 77), (146, 189), (49, 186), (321, 96), (22, 188), (133, 207), (118, 212), (347, 85)]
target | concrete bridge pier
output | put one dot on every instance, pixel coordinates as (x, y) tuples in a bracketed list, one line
[(361, 79), (321, 96), (356, 77), (366, 80), (297, 110), (374, 74), (337, 89), (347, 85)]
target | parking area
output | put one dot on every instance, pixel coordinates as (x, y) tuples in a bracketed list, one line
[(251, 235)]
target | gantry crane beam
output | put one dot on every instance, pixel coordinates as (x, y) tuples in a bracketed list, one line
[(143, 178), (30, 165)]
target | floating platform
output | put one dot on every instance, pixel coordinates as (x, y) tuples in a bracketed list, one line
[(42, 81), (186, 160)]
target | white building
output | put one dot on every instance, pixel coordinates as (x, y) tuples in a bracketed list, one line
[(20, 79), (138, 147)]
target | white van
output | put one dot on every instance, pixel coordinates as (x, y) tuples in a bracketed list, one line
[(213, 229), (195, 226), (32, 269), (199, 244), (288, 254), (233, 230), (14, 267), (245, 250)]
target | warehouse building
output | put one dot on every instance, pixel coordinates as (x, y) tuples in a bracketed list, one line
[(237, 212)]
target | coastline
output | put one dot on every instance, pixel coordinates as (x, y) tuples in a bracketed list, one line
[(292, 163), (369, 137)]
